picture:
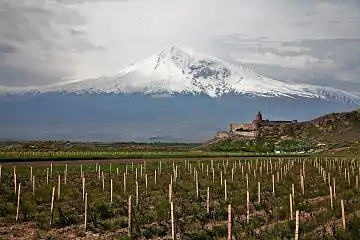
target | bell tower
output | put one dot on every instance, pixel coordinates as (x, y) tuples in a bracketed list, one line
[(258, 117)]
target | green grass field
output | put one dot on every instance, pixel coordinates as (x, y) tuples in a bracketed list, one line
[(106, 219), (63, 155)]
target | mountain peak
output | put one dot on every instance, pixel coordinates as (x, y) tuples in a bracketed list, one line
[(177, 55), (175, 50), (179, 70)]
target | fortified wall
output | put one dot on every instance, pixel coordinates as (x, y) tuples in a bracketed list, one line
[(250, 130)]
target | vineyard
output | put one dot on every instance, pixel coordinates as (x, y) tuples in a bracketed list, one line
[(235, 198), (74, 155)]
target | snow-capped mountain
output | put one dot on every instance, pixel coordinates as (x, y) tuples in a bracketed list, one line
[(203, 95), (176, 70)]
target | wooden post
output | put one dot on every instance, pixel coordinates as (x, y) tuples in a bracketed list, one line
[(297, 225), (137, 193), (103, 180), (83, 188), (213, 174), (225, 190), (247, 207), (141, 170), (65, 174), (51, 170), (229, 223), (302, 185), (124, 182), (343, 214), (59, 185), (31, 173), (331, 198), (52, 207), (155, 176), (208, 200), (47, 176), (33, 186), (146, 183), (291, 208), (18, 202), (273, 185), (293, 193), (15, 180), (259, 193), (81, 172), (247, 181), (85, 214), (334, 188), (303, 170), (99, 171), (172, 221), (129, 217), (176, 172), (111, 191), (170, 192), (197, 184)]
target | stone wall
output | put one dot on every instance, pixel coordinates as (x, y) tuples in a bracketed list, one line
[(274, 123), (222, 135), (242, 127), (251, 134)]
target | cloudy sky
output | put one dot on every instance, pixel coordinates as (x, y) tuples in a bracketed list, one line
[(307, 41)]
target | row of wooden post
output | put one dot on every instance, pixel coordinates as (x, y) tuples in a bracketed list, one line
[(170, 186)]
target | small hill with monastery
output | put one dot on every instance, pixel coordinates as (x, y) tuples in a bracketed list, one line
[(331, 132)]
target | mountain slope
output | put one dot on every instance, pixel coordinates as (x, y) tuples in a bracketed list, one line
[(178, 71), (332, 130)]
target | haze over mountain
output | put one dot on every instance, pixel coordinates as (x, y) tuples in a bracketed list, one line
[(176, 95)]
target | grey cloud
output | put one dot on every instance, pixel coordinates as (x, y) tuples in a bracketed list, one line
[(37, 38), (87, 1), (14, 76), (43, 42), (6, 49), (311, 13), (301, 23), (332, 62)]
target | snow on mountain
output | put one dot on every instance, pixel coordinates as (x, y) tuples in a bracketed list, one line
[(177, 70)]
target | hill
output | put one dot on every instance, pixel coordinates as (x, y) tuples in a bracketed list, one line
[(326, 133)]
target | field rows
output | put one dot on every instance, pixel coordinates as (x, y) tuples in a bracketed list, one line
[(200, 192), (123, 154)]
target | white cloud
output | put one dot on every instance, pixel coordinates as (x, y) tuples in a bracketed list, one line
[(57, 40), (268, 58)]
